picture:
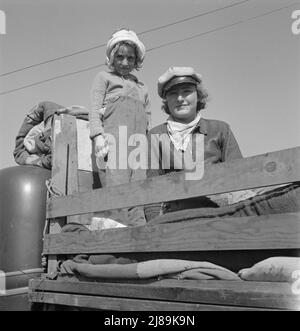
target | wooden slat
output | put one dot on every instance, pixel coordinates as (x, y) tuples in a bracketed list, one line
[(64, 169), (18, 302), (122, 304), (263, 170), (280, 231), (88, 180), (209, 292), (59, 156), (69, 129), (64, 158), (72, 186), (58, 179)]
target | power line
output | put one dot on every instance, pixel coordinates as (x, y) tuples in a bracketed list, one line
[(193, 17), (157, 47), (53, 78), (221, 28), (140, 33), (51, 60)]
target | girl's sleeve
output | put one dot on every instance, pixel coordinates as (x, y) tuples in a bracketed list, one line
[(98, 91)]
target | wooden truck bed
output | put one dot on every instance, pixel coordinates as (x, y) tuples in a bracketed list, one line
[(233, 242)]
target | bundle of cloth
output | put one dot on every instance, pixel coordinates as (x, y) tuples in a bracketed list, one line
[(112, 267), (33, 142), (107, 266), (116, 268), (265, 201), (273, 269)]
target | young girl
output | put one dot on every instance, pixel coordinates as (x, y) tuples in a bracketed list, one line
[(119, 99)]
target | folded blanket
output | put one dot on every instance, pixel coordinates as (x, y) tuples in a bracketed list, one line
[(205, 274), (273, 269), (41, 112), (31, 137), (148, 269), (33, 143), (283, 199)]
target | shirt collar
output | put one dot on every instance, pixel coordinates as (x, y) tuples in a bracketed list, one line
[(201, 126), (131, 76)]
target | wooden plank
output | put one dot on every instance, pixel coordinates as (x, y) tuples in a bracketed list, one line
[(280, 231), (58, 181), (257, 171), (65, 158), (18, 302), (123, 304), (88, 180), (60, 138), (210, 292), (72, 186), (64, 178), (69, 126)]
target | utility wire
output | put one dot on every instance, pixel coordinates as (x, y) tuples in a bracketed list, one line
[(157, 47), (53, 78), (140, 33), (221, 28), (194, 17)]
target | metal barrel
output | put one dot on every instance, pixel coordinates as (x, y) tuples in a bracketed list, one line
[(22, 221)]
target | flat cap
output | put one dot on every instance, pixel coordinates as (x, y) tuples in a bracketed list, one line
[(177, 75)]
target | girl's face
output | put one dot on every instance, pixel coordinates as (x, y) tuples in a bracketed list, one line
[(124, 60), (182, 102)]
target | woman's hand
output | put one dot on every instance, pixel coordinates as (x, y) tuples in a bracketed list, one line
[(101, 146)]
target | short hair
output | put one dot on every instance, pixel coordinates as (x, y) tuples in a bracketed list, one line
[(138, 61), (202, 95)]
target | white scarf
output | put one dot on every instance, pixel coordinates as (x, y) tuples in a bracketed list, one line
[(179, 133)]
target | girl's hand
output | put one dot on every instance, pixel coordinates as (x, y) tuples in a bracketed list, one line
[(101, 146)]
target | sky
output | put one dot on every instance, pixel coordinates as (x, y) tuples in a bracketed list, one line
[(247, 54)]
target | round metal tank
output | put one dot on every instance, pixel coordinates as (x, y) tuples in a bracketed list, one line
[(22, 221)]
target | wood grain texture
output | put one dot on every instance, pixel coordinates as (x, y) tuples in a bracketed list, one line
[(257, 171), (88, 180), (64, 178), (70, 134), (210, 292), (58, 181), (280, 231), (123, 304), (60, 130)]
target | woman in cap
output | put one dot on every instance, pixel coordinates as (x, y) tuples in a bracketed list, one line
[(183, 98)]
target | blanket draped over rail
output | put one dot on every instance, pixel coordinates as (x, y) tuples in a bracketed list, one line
[(33, 145)]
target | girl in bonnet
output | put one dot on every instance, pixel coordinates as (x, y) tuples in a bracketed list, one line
[(119, 101)]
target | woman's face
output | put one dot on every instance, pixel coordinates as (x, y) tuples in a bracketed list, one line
[(124, 60), (182, 102)]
